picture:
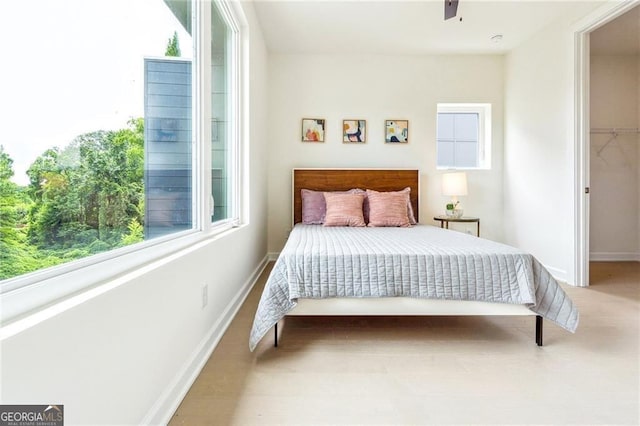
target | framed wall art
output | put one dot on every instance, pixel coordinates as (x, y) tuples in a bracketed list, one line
[(313, 129), (354, 131), (396, 131)]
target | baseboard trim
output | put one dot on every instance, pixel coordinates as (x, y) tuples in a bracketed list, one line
[(614, 257), (273, 256), (168, 402)]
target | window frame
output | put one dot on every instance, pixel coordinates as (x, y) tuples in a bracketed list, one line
[(27, 299), (484, 132), (234, 117)]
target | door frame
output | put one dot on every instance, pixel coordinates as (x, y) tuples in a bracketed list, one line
[(582, 29)]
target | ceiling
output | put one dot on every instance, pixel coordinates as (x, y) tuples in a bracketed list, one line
[(618, 37), (404, 27)]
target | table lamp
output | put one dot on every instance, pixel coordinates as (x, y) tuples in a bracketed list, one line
[(454, 185)]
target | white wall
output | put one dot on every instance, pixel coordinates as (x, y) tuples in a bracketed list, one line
[(125, 357), (615, 102), (375, 88), (539, 154)]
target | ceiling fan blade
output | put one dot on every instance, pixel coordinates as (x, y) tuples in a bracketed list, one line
[(450, 9)]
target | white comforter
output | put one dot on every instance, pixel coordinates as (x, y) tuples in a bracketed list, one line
[(422, 262)]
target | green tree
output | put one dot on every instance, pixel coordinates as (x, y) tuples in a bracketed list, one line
[(135, 235), (85, 198), (8, 201), (173, 46), (90, 190), (45, 163), (6, 165), (16, 257)]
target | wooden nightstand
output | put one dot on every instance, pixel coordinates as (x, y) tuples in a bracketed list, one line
[(444, 220)]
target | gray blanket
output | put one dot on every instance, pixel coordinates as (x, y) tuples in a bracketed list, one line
[(421, 262)]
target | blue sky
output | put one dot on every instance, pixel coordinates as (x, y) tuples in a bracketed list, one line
[(75, 66)]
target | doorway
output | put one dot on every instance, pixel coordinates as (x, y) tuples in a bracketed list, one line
[(614, 93), (607, 139)]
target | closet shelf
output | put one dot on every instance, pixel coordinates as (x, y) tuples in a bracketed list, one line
[(615, 130)]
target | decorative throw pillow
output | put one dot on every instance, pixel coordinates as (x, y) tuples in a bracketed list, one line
[(388, 209), (314, 206), (406, 192), (344, 209)]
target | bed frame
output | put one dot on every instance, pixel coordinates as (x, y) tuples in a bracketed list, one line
[(384, 180)]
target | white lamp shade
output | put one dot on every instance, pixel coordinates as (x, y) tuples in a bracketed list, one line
[(454, 184)]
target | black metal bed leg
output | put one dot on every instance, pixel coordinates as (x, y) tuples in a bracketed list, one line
[(538, 330), (275, 328)]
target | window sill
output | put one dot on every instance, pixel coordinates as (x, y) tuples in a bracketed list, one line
[(28, 300), (463, 168)]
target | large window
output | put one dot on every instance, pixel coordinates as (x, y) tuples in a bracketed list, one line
[(98, 135), (464, 136), (106, 111)]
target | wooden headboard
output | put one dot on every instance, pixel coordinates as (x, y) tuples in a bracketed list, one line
[(345, 179)]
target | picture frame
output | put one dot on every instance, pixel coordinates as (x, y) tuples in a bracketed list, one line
[(396, 131), (313, 129), (354, 131)]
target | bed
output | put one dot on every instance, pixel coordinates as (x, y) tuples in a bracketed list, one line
[(420, 270)]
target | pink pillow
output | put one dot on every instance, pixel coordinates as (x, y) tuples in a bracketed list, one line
[(314, 207), (344, 209), (406, 192), (388, 209)]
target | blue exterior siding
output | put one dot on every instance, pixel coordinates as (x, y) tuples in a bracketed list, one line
[(168, 146)]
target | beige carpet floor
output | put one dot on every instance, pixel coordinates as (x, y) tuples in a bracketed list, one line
[(431, 370)]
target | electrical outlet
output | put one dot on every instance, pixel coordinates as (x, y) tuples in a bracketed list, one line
[(205, 295)]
